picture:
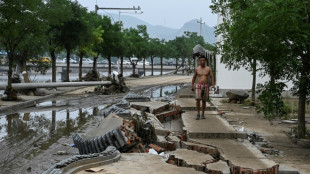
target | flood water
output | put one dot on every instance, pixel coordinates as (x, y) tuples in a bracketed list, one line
[(162, 91), (40, 121), (41, 126)]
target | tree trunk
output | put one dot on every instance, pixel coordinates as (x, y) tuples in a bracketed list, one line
[(24, 70), (144, 67), (161, 66), (176, 63), (304, 81), (122, 67), (10, 71), (253, 82), (214, 64), (68, 66), (53, 57), (95, 62), (189, 65), (133, 69), (183, 61), (110, 68), (9, 91), (152, 64), (80, 67)]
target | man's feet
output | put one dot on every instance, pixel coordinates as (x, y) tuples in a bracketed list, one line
[(203, 117), (197, 117)]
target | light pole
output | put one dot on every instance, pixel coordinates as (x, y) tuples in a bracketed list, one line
[(104, 8), (119, 13), (200, 22)]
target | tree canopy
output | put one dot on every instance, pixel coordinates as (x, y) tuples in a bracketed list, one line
[(275, 33)]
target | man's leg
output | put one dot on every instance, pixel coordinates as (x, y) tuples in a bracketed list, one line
[(203, 109), (198, 109)]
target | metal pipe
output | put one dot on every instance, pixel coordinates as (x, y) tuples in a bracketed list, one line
[(54, 85)]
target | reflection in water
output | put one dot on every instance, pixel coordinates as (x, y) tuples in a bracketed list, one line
[(165, 91), (52, 124)]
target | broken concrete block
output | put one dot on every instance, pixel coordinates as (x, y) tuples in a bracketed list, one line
[(219, 166), (175, 140), (132, 97)]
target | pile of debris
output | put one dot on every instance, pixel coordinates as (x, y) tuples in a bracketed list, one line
[(118, 85), (92, 75), (129, 130), (237, 96), (112, 131)]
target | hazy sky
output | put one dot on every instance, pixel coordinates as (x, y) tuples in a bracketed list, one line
[(170, 13)]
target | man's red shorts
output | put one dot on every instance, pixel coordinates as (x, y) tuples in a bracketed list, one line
[(201, 91)]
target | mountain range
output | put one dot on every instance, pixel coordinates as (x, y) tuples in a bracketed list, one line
[(162, 32)]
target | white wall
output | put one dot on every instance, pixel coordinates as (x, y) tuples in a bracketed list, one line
[(239, 79)]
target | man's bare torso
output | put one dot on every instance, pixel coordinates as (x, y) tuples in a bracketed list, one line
[(202, 74)]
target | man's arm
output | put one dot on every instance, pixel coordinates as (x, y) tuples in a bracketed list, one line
[(194, 79)]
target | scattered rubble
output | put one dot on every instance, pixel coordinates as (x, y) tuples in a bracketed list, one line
[(118, 85), (92, 75), (144, 128), (116, 110), (236, 96), (262, 144)]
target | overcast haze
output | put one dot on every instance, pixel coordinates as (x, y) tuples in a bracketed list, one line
[(169, 13)]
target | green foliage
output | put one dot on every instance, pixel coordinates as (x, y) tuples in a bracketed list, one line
[(41, 67), (277, 35), (271, 101)]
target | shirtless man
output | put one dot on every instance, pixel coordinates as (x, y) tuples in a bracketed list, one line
[(202, 89)]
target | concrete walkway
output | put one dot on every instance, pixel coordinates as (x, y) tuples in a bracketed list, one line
[(216, 131)]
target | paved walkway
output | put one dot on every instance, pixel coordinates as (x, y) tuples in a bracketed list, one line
[(217, 132)]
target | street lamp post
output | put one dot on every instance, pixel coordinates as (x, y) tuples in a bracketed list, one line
[(119, 13)]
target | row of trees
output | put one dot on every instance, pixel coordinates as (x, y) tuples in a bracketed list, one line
[(29, 28), (272, 35)]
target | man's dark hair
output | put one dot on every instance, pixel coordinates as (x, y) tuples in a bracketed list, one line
[(199, 55)]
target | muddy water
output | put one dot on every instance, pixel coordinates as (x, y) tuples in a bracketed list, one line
[(162, 91), (29, 131)]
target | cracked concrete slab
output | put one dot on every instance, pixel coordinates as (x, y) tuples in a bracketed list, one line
[(150, 106), (219, 166), (192, 157), (204, 128), (143, 163), (240, 153), (190, 104)]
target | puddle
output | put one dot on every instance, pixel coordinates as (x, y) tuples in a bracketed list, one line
[(162, 91), (22, 126)]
